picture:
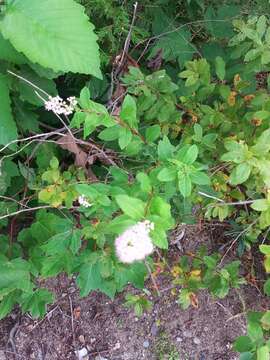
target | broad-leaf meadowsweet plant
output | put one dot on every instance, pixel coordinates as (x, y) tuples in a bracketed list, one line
[(93, 188)]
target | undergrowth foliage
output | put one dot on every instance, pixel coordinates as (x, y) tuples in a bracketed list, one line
[(92, 182)]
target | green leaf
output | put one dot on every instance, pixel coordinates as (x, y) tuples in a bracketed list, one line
[(15, 275), (198, 132), (242, 344), (266, 287), (85, 98), (191, 155), (57, 243), (110, 134), (75, 241), (159, 237), (246, 356), (262, 115), (184, 184), (260, 205), (160, 207), (27, 93), (125, 137), (130, 206), (262, 146), (261, 25), (220, 67), (36, 302), (184, 298), (265, 320), (7, 303), (240, 174), (265, 57), (176, 45), (133, 273), (167, 174), (129, 112), (265, 249), (119, 224), (54, 33), (165, 149), (90, 279), (8, 129), (263, 353), (152, 133), (254, 329), (10, 54), (199, 178), (144, 181)]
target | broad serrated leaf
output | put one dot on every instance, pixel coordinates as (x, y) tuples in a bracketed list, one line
[(133, 273), (90, 279), (36, 302), (8, 129), (75, 241), (130, 206), (27, 93), (7, 303), (53, 33), (15, 275), (8, 53), (242, 344)]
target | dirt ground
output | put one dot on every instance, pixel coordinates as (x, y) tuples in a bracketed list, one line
[(106, 330)]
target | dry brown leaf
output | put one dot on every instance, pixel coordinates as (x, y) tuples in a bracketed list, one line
[(67, 142)]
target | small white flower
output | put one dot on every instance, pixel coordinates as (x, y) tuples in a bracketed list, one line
[(135, 244), (59, 106), (83, 202)]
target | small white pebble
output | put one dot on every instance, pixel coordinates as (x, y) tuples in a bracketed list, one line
[(146, 344), (117, 346), (81, 354)]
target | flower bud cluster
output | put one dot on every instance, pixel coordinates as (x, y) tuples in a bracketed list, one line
[(61, 107)]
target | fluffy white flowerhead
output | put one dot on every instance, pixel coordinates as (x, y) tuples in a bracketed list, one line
[(83, 202), (59, 106), (135, 243)]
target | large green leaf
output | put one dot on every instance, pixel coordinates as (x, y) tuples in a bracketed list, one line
[(8, 129), (53, 33), (132, 207), (172, 39), (90, 279), (15, 275), (36, 302), (8, 53)]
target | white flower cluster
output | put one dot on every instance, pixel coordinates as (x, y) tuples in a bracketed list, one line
[(59, 106), (135, 244), (83, 202)]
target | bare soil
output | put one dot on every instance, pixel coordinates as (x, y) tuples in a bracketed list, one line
[(108, 330)]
